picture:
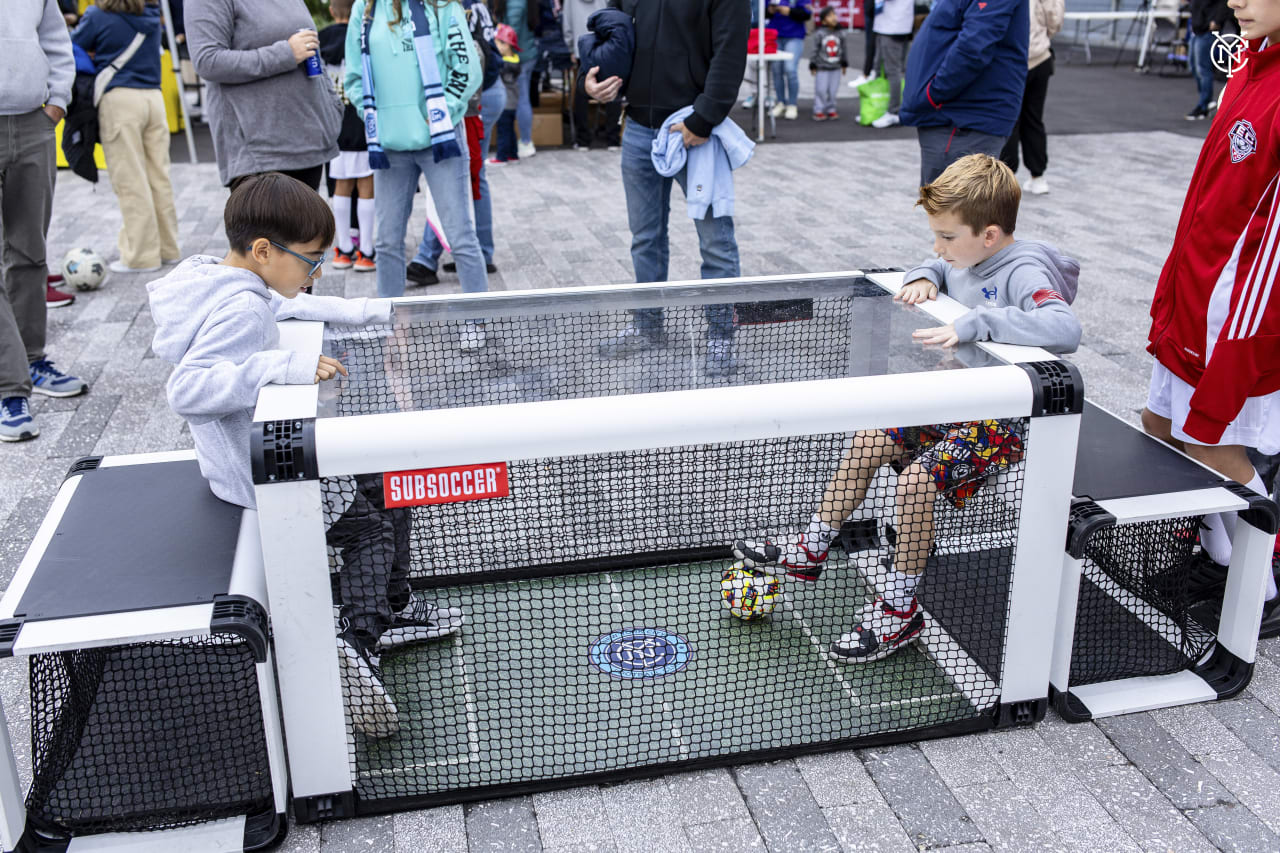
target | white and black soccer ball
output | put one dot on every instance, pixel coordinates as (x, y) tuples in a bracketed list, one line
[(83, 269)]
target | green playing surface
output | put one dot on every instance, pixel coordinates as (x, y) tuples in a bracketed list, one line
[(515, 696)]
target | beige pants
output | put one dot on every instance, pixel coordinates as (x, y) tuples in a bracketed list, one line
[(135, 141)]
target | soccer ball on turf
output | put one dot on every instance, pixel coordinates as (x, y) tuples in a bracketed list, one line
[(749, 593), (83, 269)]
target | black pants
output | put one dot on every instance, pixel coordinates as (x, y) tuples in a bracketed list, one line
[(869, 21), (582, 128), (1029, 129), (373, 542)]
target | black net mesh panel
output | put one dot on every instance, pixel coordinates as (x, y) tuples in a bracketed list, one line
[(592, 619), (146, 736), (1134, 616)]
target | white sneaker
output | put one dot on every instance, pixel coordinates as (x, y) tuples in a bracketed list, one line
[(792, 113), (525, 149), (421, 622), (368, 704), (886, 120), (862, 78), (122, 267), (1037, 186), (881, 632), (778, 110), (749, 102), (788, 552), (472, 338)]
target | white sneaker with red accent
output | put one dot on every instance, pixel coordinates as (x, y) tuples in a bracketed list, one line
[(881, 632), (788, 553)]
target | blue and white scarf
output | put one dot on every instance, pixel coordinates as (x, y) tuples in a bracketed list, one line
[(444, 141)]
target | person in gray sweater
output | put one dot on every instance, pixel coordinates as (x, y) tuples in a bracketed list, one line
[(37, 69), (266, 113), (1017, 293)]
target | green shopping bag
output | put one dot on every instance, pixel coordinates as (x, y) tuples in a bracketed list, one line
[(873, 100)]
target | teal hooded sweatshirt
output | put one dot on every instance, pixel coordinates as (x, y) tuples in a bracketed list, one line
[(402, 108)]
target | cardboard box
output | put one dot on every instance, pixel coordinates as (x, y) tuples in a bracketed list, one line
[(550, 102), (548, 130)]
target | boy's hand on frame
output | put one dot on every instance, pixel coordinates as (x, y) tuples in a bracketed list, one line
[(943, 336), (327, 368), (920, 290)]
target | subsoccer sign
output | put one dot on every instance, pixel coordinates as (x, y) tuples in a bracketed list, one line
[(446, 485)]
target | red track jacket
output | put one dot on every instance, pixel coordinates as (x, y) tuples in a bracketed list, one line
[(1215, 317)]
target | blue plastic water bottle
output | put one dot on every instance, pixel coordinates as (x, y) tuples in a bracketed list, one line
[(312, 62)]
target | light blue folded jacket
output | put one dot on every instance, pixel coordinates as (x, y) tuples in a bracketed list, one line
[(709, 183)]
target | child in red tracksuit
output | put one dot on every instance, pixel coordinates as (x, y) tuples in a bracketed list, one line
[(1215, 330)]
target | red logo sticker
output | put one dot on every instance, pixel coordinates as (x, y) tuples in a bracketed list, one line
[(982, 5), (1042, 296), (446, 485)]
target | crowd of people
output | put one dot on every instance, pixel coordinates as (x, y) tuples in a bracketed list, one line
[(417, 87)]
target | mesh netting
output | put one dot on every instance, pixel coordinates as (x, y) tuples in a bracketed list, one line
[(592, 618), (1134, 614), (146, 736)]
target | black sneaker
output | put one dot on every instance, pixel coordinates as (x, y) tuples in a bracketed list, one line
[(1197, 113), (1270, 626), (419, 275), (629, 341), (452, 267), (369, 706)]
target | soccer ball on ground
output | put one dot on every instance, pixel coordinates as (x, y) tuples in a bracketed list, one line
[(83, 269), (749, 593)]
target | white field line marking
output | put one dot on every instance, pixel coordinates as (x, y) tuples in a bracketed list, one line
[(615, 592), (961, 669), (822, 652), (675, 730), (1152, 618)]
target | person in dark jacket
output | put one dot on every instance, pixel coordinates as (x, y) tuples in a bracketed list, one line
[(1208, 17), (787, 19), (965, 77), (688, 52)]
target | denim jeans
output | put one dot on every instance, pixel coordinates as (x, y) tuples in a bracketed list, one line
[(492, 102), (524, 107), (1202, 67), (786, 77), (940, 146), (450, 185), (648, 211)]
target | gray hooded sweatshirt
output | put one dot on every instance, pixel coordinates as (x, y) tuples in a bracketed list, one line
[(36, 66), (1019, 295), (217, 325)]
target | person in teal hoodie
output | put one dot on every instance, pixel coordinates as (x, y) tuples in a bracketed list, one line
[(515, 13), (410, 134)]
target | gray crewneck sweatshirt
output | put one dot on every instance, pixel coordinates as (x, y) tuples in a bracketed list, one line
[(217, 325), (1020, 295), (36, 66)]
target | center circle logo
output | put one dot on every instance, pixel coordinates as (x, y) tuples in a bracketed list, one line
[(640, 653)]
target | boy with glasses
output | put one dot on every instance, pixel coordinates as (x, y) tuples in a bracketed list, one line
[(216, 323)]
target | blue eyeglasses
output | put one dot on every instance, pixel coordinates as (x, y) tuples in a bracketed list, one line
[(314, 265)]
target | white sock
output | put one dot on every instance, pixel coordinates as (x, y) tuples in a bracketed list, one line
[(342, 223), (1221, 528), (364, 215), (1272, 592), (899, 589), (819, 535)]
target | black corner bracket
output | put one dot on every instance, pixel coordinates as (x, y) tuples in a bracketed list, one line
[(1262, 512), (1069, 706), (1086, 519), (1024, 713), (242, 617), (283, 451), (9, 629), (324, 807), (1057, 387), (265, 830), (84, 463), (1227, 674)]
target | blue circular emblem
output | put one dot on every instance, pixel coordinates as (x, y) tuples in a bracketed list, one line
[(640, 653)]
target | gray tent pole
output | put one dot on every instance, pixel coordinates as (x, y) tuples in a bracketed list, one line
[(762, 85), (177, 76)]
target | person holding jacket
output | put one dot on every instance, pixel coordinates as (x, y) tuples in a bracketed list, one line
[(787, 19), (574, 23), (1046, 20), (965, 75), (134, 130), (266, 113), (687, 53), (413, 66)]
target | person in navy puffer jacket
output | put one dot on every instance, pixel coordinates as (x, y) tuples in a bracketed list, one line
[(787, 18), (965, 76)]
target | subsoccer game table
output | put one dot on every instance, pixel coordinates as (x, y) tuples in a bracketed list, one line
[(568, 504)]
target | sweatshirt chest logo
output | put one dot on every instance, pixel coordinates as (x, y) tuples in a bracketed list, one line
[(1244, 141), (990, 293)]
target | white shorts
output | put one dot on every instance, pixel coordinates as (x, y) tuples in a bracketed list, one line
[(1257, 424), (349, 165)]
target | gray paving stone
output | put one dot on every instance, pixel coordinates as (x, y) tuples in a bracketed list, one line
[(837, 778), (571, 817), (82, 432), (586, 847), (783, 808), (442, 829), (1006, 820), (976, 847), (302, 838), (1082, 744), (503, 826), (1266, 683), (1233, 828), (357, 834), (644, 816), (1146, 814), (1162, 760), (868, 827), (707, 796), (725, 836), (962, 761), (926, 808), (1197, 729), (1253, 783), (1254, 724)]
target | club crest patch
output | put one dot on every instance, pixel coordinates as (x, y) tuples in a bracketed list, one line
[(1243, 140)]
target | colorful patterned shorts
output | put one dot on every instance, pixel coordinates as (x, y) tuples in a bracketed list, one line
[(959, 456)]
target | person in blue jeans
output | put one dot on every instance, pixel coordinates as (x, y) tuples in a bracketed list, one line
[(516, 14), (412, 145), (788, 20), (1207, 19), (711, 38)]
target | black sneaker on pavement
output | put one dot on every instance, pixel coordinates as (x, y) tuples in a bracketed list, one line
[(452, 267), (1196, 114), (418, 275)]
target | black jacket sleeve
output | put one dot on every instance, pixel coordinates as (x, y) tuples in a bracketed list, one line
[(730, 21)]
